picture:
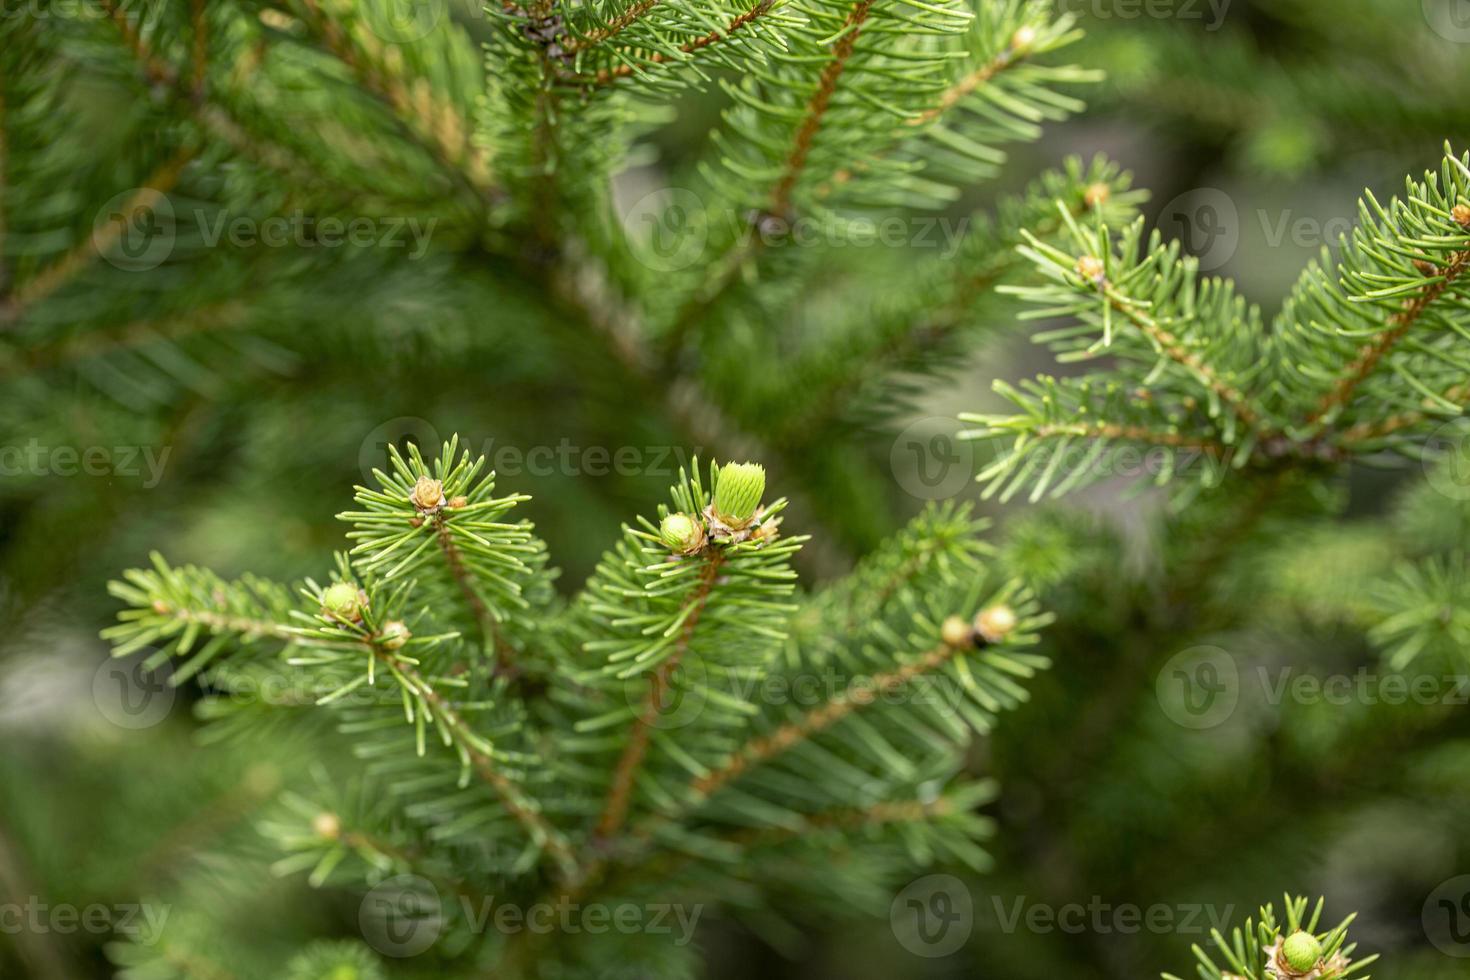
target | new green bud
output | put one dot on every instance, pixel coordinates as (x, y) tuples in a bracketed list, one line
[(393, 635), (682, 534), (738, 493), (1301, 950), (343, 601)]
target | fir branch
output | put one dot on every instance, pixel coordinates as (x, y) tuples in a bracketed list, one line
[(200, 49), (1168, 343), (56, 275), (620, 789), (606, 76), (484, 616), (536, 824), (612, 29), (226, 316), (155, 69), (1012, 55), (764, 747), (1368, 432), (1396, 329), (816, 107), (1132, 433), (434, 123)]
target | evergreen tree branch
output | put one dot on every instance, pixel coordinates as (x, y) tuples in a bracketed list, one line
[(540, 829), (607, 76), (1168, 343), (855, 697), (611, 29), (227, 316), (1397, 327), (620, 789), (56, 275), (483, 615), (1014, 54), (199, 50), (434, 123), (816, 107)]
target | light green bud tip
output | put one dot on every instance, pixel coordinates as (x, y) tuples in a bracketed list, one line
[(394, 634), (681, 533), (341, 600), (1301, 951), (738, 492)]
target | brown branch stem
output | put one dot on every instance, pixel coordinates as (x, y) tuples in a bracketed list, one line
[(620, 788)]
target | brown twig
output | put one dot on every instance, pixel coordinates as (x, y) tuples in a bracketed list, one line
[(856, 696), (620, 788), (103, 238), (817, 106), (437, 125), (606, 76), (484, 615), (484, 766), (1398, 326), (223, 316), (1132, 433), (614, 27), (1174, 348)]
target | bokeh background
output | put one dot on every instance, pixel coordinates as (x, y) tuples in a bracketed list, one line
[(1254, 125)]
